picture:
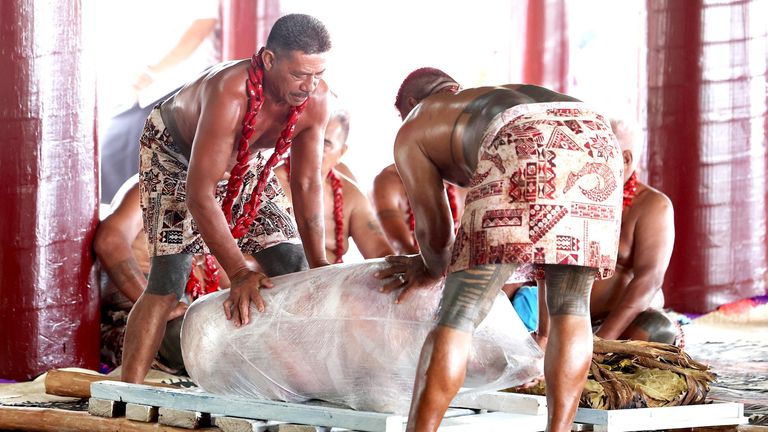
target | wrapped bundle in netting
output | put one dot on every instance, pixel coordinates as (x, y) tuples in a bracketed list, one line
[(639, 374), (329, 334)]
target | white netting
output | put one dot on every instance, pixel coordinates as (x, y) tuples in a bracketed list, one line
[(329, 334)]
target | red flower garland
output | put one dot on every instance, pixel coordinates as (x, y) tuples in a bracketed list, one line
[(338, 214), (338, 209), (255, 91), (630, 189), (212, 279)]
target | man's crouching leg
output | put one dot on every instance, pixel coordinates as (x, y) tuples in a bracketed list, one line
[(282, 258), (146, 323), (569, 347), (652, 325), (467, 298)]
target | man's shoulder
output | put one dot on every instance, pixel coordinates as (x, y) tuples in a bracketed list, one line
[(224, 77), (387, 177), (352, 192), (657, 197), (653, 203)]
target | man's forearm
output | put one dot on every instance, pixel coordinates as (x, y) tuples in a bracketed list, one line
[(436, 260), (638, 296), (127, 277), (312, 232), (308, 206), (397, 232)]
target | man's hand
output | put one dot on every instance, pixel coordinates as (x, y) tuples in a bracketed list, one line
[(244, 290), (179, 310), (407, 272)]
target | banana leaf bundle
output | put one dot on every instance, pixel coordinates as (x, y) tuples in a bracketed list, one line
[(639, 374)]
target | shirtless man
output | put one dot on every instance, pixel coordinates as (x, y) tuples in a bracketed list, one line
[(347, 210), (121, 246), (628, 305), (219, 124), (389, 196), (545, 175)]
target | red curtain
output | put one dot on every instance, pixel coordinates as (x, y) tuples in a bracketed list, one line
[(545, 56), (245, 26), (706, 145), (49, 301)]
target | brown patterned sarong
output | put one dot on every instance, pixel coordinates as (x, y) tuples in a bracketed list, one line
[(167, 221), (547, 190)]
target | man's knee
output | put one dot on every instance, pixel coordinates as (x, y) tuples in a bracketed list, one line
[(657, 325), (568, 289), (282, 258), (168, 274)]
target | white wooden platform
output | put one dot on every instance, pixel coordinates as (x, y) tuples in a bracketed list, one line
[(712, 414), (456, 420), (716, 413), (489, 412)]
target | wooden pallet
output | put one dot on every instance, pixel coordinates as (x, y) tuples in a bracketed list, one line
[(639, 419), (495, 411), (717, 413), (193, 409)]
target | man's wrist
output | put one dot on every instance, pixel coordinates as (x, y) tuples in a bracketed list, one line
[(239, 275)]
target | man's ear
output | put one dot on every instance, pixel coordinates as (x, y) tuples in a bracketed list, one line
[(628, 159), (343, 150), (411, 103), (269, 59)]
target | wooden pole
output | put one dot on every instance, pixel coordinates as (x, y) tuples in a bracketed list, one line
[(58, 420), (77, 384)]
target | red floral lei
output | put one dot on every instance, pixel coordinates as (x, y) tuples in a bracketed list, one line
[(255, 91), (630, 190), (212, 279)]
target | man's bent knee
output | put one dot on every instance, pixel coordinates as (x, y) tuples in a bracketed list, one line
[(282, 258), (469, 295), (168, 274), (658, 326)]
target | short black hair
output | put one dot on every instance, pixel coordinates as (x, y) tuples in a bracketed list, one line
[(414, 84), (298, 32)]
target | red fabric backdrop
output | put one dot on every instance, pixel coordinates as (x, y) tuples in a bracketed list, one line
[(706, 145), (49, 301), (245, 26), (545, 57)]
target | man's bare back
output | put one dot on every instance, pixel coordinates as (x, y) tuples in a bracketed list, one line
[(522, 165), (449, 128)]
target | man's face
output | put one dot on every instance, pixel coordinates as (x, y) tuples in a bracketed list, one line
[(295, 75), (335, 143)]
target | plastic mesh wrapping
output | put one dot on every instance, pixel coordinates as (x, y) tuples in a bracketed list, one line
[(329, 334)]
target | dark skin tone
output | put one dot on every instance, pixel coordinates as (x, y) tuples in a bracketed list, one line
[(212, 108), (121, 246), (439, 141), (208, 113), (391, 199), (645, 248), (359, 220), (391, 203)]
